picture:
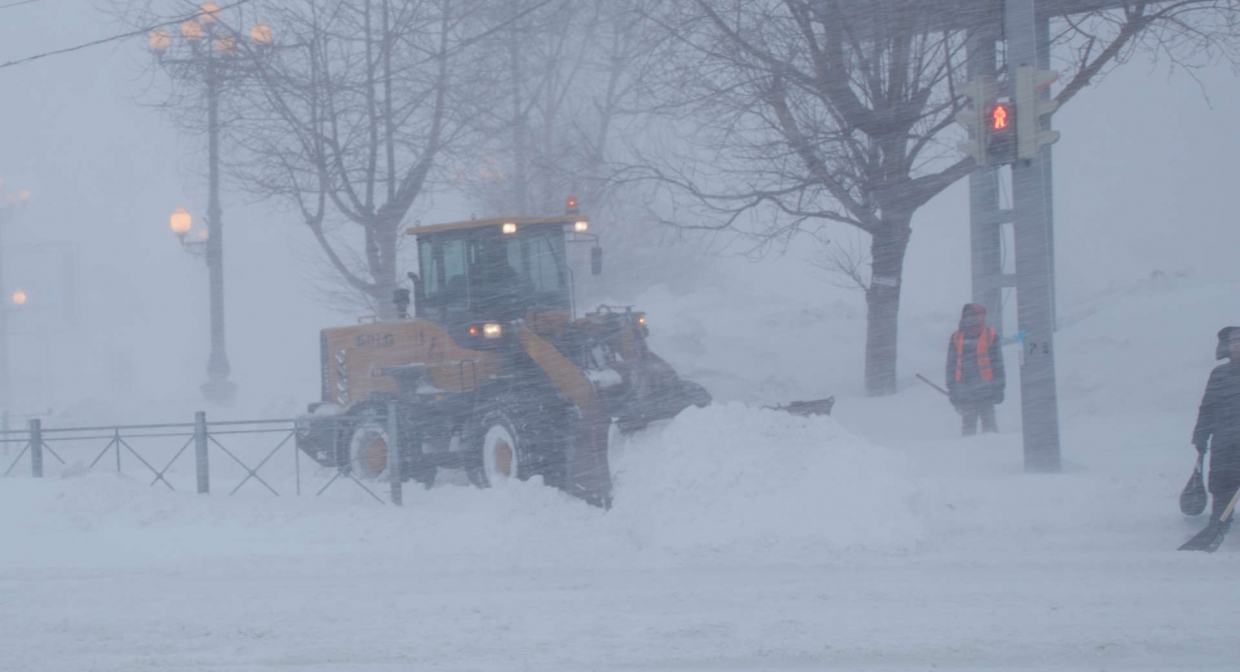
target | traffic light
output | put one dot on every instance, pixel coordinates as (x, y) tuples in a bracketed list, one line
[(981, 94), (1001, 125), (1030, 139)]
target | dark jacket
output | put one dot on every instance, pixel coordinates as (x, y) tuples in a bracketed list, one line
[(972, 388), (1219, 416)]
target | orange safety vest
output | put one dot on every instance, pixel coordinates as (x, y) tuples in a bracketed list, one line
[(983, 354)]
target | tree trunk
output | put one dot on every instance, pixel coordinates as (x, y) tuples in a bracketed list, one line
[(386, 275), (882, 299)]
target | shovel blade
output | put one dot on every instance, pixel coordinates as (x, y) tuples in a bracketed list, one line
[(807, 408), (1208, 539)]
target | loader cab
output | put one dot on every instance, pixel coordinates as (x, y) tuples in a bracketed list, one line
[(491, 271)]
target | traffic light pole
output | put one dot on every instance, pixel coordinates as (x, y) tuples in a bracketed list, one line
[(1031, 214), (1043, 47), (985, 217)]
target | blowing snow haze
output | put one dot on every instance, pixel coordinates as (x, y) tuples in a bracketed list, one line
[(1141, 187), (739, 537)]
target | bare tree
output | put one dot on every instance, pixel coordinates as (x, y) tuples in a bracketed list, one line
[(845, 262), (805, 113), (349, 116), (568, 74)]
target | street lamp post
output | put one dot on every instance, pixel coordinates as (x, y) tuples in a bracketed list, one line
[(208, 48), (12, 202)]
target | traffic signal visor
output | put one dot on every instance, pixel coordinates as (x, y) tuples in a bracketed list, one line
[(1033, 108), (981, 94)]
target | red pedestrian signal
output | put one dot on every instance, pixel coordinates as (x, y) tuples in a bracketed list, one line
[(999, 118), (1001, 134)]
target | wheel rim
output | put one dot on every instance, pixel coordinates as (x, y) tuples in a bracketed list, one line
[(499, 455), (368, 451)]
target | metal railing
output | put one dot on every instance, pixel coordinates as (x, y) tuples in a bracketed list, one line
[(247, 446)]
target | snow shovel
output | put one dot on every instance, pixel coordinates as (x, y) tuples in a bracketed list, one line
[(1211, 537), (927, 381), (1193, 499), (939, 389)]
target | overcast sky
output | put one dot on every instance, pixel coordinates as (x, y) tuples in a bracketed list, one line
[(1144, 182)]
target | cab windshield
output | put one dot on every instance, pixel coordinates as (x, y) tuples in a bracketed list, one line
[(501, 275)]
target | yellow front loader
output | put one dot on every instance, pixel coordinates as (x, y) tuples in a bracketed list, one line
[(491, 372)]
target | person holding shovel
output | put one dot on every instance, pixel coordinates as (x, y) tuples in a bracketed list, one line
[(1218, 423), (975, 376)]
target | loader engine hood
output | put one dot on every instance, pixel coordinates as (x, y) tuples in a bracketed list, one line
[(355, 359)]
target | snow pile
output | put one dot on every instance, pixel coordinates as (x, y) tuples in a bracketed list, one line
[(727, 484), (759, 344), (732, 481)]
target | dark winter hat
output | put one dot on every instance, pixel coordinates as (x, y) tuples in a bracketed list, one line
[(1225, 335), (973, 309)]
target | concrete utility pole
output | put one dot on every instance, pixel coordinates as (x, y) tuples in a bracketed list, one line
[(1044, 63), (1031, 216)]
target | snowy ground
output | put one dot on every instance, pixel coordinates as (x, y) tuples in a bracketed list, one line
[(741, 539)]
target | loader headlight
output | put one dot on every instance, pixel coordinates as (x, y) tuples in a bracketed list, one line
[(581, 227), (492, 330)]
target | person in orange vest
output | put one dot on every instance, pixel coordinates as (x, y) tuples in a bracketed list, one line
[(975, 378)]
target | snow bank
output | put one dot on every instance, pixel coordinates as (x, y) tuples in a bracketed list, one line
[(726, 484), (759, 344), (732, 480)]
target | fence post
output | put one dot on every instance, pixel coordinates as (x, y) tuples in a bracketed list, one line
[(116, 438), (297, 463), (200, 451), (393, 454), (36, 447)]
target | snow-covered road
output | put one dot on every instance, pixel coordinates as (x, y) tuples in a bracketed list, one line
[(380, 614)]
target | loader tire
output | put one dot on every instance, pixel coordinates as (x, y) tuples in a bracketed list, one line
[(363, 448), (367, 449), (500, 446)]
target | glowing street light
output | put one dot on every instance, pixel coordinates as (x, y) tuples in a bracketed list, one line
[(191, 30), (210, 12), (181, 222), (14, 202), (261, 34), (211, 49), (159, 40)]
